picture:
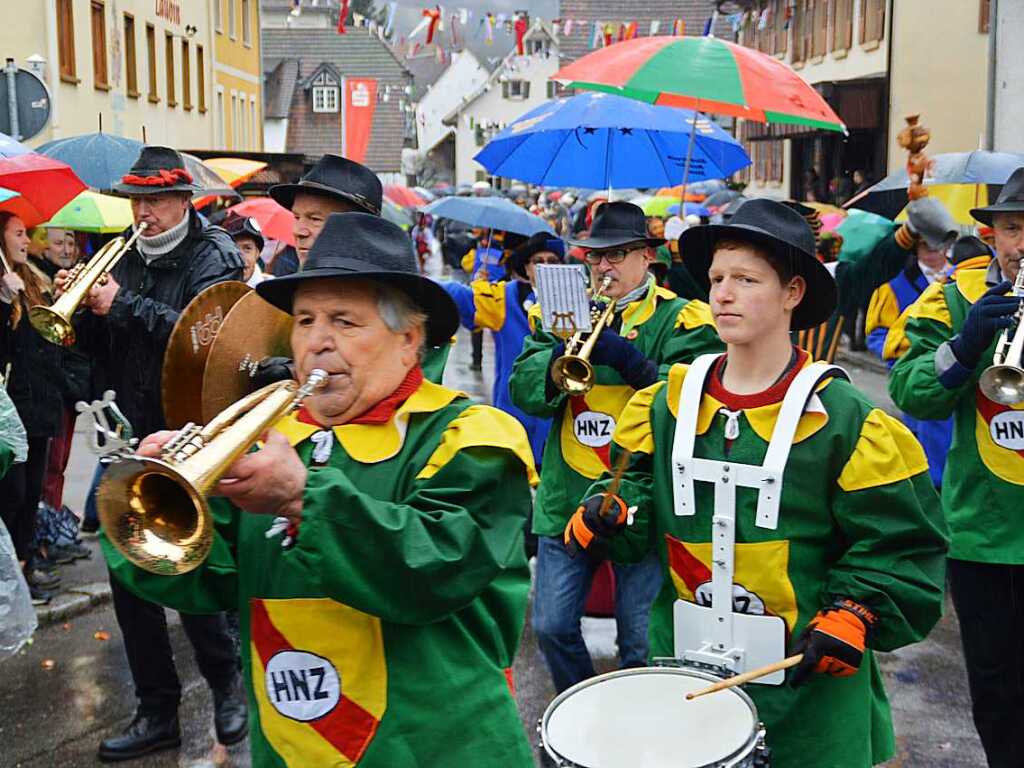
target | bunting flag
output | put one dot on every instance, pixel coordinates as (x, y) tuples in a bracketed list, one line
[(433, 16), (630, 31), (567, 27), (678, 27), (709, 25), (762, 23), (453, 35), (342, 15), (489, 29), (296, 7), (595, 38), (609, 32), (655, 26), (390, 23), (521, 26)]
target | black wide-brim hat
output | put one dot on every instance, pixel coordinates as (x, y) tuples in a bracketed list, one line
[(538, 243), (780, 230), (157, 170), (336, 177), (618, 224), (1010, 200), (361, 246)]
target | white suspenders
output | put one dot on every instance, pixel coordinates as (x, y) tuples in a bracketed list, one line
[(716, 638)]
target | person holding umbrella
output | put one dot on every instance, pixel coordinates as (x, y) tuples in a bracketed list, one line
[(651, 328), (124, 331), (952, 331)]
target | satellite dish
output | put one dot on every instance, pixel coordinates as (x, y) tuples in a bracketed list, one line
[(24, 103)]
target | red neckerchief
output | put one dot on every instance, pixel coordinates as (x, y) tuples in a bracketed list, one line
[(774, 394), (382, 412)]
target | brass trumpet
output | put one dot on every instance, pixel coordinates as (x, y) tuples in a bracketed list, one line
[(155, 511), (54, 322), (1003, 381), (572, 372)]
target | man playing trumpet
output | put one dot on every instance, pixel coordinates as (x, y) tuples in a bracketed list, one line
[(373, 544), (953, 329), (651, 327)]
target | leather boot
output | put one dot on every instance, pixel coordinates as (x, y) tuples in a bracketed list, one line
[(147, 732), (230, 713)]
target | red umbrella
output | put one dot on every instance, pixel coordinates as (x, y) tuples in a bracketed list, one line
[(403, 196), (275, 220), (45, 186)]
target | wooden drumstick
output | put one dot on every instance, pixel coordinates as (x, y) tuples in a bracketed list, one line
[(613, 486), (746, 677)]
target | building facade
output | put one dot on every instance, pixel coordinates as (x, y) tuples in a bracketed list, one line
[(141, 68), (237, 75)]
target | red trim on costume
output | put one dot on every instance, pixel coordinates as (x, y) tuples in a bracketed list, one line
[(164, 179), (510, 681), (578, 404), (774, 393)]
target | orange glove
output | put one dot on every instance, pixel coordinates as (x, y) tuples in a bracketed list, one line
[(588, 529), (833, 642)]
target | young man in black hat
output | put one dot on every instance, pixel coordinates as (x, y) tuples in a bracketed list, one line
[(125, 332), (245, 231), (952, 332), (382, 613), (652, 327), (771, 481)]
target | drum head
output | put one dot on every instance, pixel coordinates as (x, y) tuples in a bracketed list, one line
[(640, 718)]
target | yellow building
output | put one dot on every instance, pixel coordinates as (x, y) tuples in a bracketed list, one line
[(237, 75), (143, 67)]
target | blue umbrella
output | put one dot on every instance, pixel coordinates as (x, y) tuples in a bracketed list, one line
[(599, 140), (490, 212), (694, 209), (11, 148)]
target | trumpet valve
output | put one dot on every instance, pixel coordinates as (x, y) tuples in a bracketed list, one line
[(187, 442)]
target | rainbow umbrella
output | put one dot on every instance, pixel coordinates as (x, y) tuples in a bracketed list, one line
[(93, 212), (44, 185), (705, 74), (234, 170)]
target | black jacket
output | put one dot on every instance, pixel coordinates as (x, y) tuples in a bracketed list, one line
[(36, 379), (127, 345)]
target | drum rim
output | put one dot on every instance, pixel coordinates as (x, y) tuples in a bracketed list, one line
[(743, 751)]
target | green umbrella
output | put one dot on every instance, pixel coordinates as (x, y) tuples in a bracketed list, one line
[(861, 232)]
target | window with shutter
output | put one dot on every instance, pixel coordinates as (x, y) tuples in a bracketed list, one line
[(526, 89), (66, 41), (781, 27), (131, 72), (872, 21), (819, 37), (842, 25), (504, 90), (99, 45), (797, 26)]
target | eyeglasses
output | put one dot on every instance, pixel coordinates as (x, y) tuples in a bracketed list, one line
[(551, 260), (612, 256)]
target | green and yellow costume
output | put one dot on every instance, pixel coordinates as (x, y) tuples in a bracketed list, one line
[(384, 636), (858, 519), (665, 328)]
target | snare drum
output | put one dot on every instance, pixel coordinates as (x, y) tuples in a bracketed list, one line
[(640, 718)]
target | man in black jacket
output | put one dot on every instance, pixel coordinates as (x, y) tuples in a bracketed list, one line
[(125, 332)]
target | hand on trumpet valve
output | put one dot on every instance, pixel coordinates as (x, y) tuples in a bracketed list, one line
[(152, 445), (60, 281), (989, 315), (270, 481), (613, 350), (101, 295)]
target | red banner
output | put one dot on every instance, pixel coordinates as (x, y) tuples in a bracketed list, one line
[(357, 116)]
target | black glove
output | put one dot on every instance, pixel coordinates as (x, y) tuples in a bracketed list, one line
[(273, 369), (833, 642), (613, 350), (990, 314), (590, 530)]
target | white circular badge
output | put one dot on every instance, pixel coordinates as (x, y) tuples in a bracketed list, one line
[(302, 686), (593, 428), (1007, 430)]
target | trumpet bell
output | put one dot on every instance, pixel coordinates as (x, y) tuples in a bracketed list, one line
[(573, 375), (52, 326), (155, 516), (1003, 384)]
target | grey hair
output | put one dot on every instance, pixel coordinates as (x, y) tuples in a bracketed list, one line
[(400, 313)]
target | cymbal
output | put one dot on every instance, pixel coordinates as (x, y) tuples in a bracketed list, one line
[(252, 330), (188, 350)]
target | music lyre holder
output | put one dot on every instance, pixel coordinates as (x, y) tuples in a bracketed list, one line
[(113, 436)]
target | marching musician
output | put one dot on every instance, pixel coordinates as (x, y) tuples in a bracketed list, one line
[(130, 318), (952, 331), (849, 552), (381, 615), (652, 327)]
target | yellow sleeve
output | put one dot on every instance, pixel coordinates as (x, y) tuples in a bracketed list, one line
[(633, 430), (883, 310), (468, 260), (886, 452), (695, 314), (489, 299)]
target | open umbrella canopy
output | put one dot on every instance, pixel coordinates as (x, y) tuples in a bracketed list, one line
[(861, 232), (598, 140), (234, 170), (44, 185), (705, 74), (490, 212), (11, 148), (404, 196), (94, 212), (396, 214), (658, 206), (274, 219)]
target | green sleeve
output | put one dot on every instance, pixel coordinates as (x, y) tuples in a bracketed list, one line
[(895, 560), (6, 457), (857, 280), (417, 560), (528, 386), (914, 382), (210, 588), (434, 362)]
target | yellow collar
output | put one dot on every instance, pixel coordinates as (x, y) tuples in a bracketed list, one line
[(639, 312), (373, 443), (761, 419), (971, 283)]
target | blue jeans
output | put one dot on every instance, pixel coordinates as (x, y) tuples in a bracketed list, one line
[(561, 588)]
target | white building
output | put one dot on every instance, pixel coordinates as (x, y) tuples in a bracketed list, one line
[(517, 85)]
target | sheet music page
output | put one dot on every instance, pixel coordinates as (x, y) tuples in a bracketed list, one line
[(562, 293)]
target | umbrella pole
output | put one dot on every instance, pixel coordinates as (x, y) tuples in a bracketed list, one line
[(686, 167)]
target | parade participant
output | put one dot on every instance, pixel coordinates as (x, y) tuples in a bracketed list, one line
[(382, 630), (33, 382), (846, 546), (503, 307), (927, 265), (245, 231), (952, 330), (125, 332), (677, 277), (651, 327), (333, 185)]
